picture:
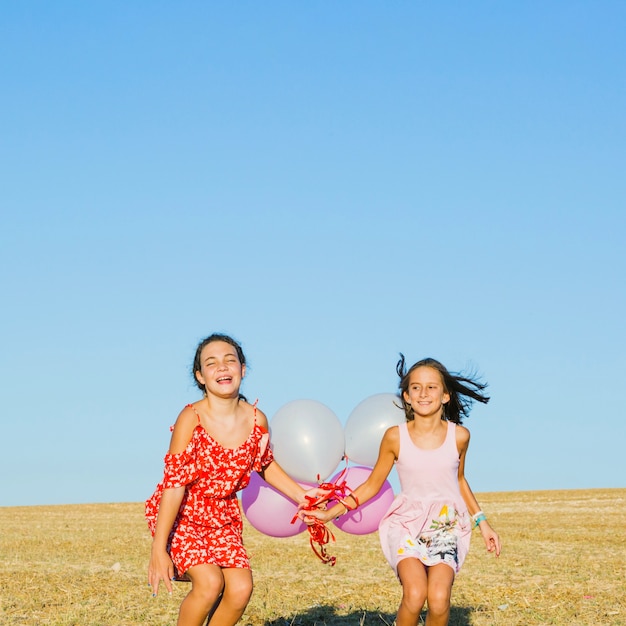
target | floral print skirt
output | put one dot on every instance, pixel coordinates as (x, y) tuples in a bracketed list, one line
[(193, 544), (438, 534)]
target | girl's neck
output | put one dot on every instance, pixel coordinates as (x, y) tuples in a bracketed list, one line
[(221, 407), (427, 433), (427, 424)]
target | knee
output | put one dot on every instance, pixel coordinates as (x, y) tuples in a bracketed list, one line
[(439, 600), (207, 590), (413, 598), (238, 593)]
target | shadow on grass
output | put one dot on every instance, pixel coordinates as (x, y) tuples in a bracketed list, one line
[(322, 615)]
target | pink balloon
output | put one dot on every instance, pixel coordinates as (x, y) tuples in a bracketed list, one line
[(268, 510), (365, 518)]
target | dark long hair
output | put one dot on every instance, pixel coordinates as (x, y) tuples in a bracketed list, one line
[(205, 342), (463, 389)]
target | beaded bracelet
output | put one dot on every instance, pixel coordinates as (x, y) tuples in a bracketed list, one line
[(347, 508), (356, 502), (479, 517), (340, 514)]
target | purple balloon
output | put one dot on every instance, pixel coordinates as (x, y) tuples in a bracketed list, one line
[(268, 510), (364, 519)]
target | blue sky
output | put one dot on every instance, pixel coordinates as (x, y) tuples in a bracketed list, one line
[(330, 183)]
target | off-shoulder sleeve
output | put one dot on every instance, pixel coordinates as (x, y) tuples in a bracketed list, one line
[(263, 455), (180, 469), (265, 451)]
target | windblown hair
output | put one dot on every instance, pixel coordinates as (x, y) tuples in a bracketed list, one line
[(205, 342), (463, 390)]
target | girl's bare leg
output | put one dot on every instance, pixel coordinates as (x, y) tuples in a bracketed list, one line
[(440, 579), (207, 583), (413, 576), (235, 597)]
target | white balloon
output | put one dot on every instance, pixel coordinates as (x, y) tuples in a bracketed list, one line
[(307, 439), (367, 424)]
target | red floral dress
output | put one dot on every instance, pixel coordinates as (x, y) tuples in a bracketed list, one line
[(208, 527)]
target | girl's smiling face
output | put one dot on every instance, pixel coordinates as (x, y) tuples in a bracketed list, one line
[(426, 393), (221, 370)]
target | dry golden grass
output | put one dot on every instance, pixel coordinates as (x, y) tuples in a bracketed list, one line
[(563, 563)]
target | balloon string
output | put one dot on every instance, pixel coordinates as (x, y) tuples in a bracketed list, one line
[(318, 531), (339, 491), (320, 535)]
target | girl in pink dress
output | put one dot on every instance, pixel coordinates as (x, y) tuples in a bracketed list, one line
[(425, 534), (194, 514)]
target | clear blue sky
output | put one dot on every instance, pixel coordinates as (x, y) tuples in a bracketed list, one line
[(331, 183)]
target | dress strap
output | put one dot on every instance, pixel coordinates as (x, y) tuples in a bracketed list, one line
[(193, 408), (451, 438), (256, 424)]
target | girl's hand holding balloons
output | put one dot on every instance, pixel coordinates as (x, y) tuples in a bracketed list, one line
[(316, 496), (314, 516)]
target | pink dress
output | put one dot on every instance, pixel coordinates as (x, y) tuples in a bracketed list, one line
[(428, 519), (208, 527)]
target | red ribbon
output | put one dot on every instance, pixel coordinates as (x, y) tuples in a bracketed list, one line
[(320, 535), (318, 531)]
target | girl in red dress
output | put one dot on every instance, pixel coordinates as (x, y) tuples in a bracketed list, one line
[(194, 515)]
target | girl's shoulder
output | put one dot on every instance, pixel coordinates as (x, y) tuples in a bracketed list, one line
[(190, 415), (261, 420), (462, 436), (394, 431), (252, 411), (183, 428), (391, 437)]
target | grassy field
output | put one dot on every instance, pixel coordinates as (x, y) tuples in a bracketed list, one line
[(564, 562)]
